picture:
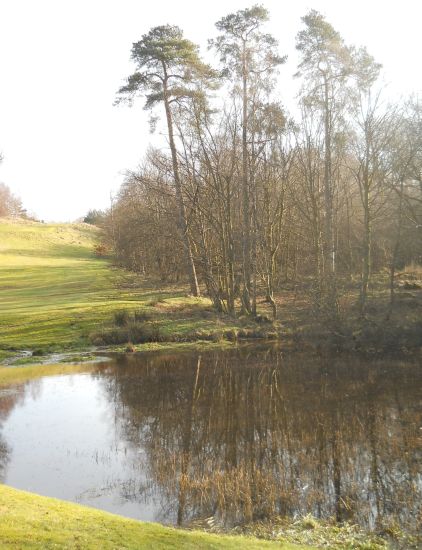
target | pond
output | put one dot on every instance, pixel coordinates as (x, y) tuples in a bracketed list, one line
[(237, 435)]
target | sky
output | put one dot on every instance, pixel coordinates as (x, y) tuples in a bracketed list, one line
[(66, 147)]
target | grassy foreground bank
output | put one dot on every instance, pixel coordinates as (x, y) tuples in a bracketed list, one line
[(30, 521)]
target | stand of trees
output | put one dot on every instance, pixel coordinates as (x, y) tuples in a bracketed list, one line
[(249, 197), (10, 205)]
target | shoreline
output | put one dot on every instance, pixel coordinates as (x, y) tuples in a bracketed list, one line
[(28, 520)]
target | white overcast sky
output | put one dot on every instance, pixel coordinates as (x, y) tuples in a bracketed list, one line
[(65, 145)]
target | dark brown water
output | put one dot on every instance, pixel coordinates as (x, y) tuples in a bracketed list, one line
[(239, 435)]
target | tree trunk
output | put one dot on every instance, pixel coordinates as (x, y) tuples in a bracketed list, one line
[(366, 256), (230, 257), (246, 242), (329, 244), (194, 286), (395, 253)]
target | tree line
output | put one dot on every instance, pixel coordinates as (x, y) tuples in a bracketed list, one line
[(10, 205), (249, 197)]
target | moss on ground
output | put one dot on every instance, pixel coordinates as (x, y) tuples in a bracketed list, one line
[(29, 521)]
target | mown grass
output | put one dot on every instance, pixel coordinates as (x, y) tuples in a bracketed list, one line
[(55, 292), (29, 521)]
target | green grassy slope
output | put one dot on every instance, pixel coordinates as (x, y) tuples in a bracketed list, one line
[(55, 292), (29, 521)]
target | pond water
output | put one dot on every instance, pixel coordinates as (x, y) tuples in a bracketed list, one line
[(238, 435)]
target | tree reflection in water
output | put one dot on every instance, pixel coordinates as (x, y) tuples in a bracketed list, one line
[(247, 434), (9, 399)]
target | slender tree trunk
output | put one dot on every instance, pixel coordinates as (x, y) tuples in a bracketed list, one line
[(270, 288), (254, 251), (246, 298), (349, 240), (210, 283), (395, 253), (366, 257), (329, 244), (270, 252), (194, 286), (230, 255)]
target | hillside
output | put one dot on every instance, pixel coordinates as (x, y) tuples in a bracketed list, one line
[(56, 295), (55, 292), (31, 521), (53, 289)]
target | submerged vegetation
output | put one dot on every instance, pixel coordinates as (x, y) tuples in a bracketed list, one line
[(250, 434)]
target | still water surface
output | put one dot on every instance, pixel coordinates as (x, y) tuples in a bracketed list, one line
[(239, 435)]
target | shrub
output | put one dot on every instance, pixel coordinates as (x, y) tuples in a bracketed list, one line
[(110, 337), (100, 250), (121, 318), (97, 339), (141, 333)]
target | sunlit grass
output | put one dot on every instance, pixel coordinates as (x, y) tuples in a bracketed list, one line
[(54, 291), (30, 521)]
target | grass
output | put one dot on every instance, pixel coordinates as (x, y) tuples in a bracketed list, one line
[(55, 292), (29, 521), (325, 534), (4, 354)]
